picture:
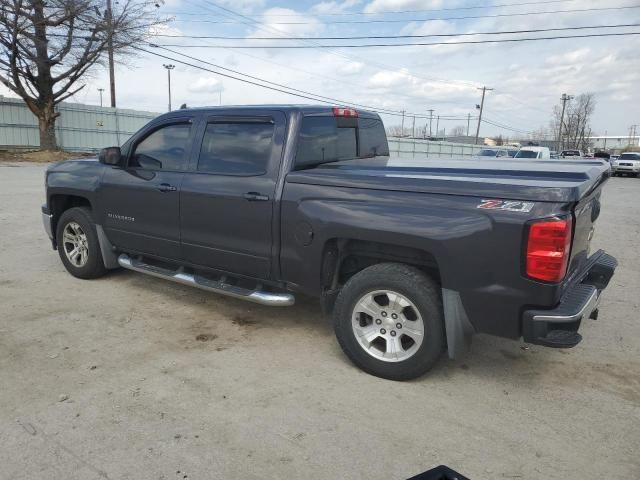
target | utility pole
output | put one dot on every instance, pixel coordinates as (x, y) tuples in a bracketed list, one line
[(169, 67), (484, 90), (565, 98), (632, 134), (101, 90), (112, 72), (468, 123), (413, 128), (437, 125), (402, 125), (430, 120), (605, 140)]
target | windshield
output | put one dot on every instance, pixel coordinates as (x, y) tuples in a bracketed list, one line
[(526, 154), (571, 153), (328, 139), (630, 156), (487, 152), (513, 153)]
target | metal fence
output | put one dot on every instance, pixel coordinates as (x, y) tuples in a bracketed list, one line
[(78, 128), (90, 128), (418, 148)]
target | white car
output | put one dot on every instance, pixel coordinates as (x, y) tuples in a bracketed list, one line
[(542, 153), (627, 164)]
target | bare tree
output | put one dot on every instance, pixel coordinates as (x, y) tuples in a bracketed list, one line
[(395, 131), (47, 48), (576, 127), (458, 131)]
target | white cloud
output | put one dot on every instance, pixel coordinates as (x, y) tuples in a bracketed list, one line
[(242, 6), (298, 24), (206, 85), (333, 6), (398, 5), (351, 68)]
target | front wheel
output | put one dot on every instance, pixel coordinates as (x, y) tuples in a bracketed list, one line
[(78, 245), (388, 320)]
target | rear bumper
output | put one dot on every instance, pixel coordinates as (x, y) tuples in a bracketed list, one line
[(559, 326)]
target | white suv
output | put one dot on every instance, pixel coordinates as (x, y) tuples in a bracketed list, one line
[(628, 163)]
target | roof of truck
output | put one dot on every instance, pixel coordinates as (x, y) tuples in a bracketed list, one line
[(287, 108)]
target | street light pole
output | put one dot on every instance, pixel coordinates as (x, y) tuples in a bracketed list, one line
[(101, 90), (169, 67), (112, 73)]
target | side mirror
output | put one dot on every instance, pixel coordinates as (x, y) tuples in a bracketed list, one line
[(110, 156)]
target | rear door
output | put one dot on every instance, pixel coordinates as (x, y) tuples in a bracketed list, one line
[(141, 200), (227, 197)]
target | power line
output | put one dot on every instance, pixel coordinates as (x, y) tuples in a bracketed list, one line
[(387, 12), (506, 127), (468, 17), (422, 44), (334, 52), (367, 37), (277, 87)]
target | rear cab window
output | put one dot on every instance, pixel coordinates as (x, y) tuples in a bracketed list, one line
[(324, 139)]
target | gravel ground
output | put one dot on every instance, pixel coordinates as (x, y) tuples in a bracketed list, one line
[(131, 377)]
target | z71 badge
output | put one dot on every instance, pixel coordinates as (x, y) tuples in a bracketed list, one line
[(506, 205)]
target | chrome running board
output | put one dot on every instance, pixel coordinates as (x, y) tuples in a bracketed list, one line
[(257, 296)]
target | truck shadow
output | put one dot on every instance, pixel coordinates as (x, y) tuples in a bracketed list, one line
[(508, 364)]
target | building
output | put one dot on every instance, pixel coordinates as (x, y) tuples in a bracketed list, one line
[(613, 143)]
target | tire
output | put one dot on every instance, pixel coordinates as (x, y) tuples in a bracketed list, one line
[(78, 223), (403, 284)]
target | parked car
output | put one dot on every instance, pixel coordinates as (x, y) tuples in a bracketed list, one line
[(604, 155), (614, 157), (571, 153), (540, 153), (492, 152), (409, 257), (627, 164)]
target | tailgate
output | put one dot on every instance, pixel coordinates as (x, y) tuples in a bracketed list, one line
[(585, 214)]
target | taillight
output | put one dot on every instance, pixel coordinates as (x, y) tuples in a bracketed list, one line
[(344, 112), (548, 248)]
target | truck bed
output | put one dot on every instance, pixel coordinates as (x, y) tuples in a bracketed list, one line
[(533, 180)]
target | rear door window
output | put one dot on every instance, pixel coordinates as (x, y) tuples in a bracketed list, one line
[(236, 148)]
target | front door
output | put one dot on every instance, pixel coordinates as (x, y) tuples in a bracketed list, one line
[(227, 197), (141, 200)]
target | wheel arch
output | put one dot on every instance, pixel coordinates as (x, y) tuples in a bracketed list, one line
[(343, 257), (61, 202)]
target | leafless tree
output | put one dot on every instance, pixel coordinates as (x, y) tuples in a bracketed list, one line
[(47, 48), (395, 131), (576, 127), (458, 131)]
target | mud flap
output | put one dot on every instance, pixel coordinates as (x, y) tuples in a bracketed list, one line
[(456, 323)]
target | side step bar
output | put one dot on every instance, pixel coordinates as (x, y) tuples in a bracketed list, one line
[(179, 276)]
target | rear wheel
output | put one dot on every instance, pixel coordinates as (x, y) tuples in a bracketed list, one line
[(78, 245), (388, 320)]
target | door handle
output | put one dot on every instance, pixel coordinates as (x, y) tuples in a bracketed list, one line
[(165, 187), (255, 197)]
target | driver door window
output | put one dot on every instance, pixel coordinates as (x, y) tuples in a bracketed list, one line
[(164, 149)]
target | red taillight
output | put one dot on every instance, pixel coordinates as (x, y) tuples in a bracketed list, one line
[(548, 247), (344, 112)]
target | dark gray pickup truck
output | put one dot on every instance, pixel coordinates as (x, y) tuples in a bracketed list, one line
[(410, 257)]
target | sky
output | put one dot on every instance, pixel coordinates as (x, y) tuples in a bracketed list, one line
[(528, 78)]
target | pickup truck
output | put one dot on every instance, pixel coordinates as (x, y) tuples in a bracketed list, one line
[(410, 258)]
